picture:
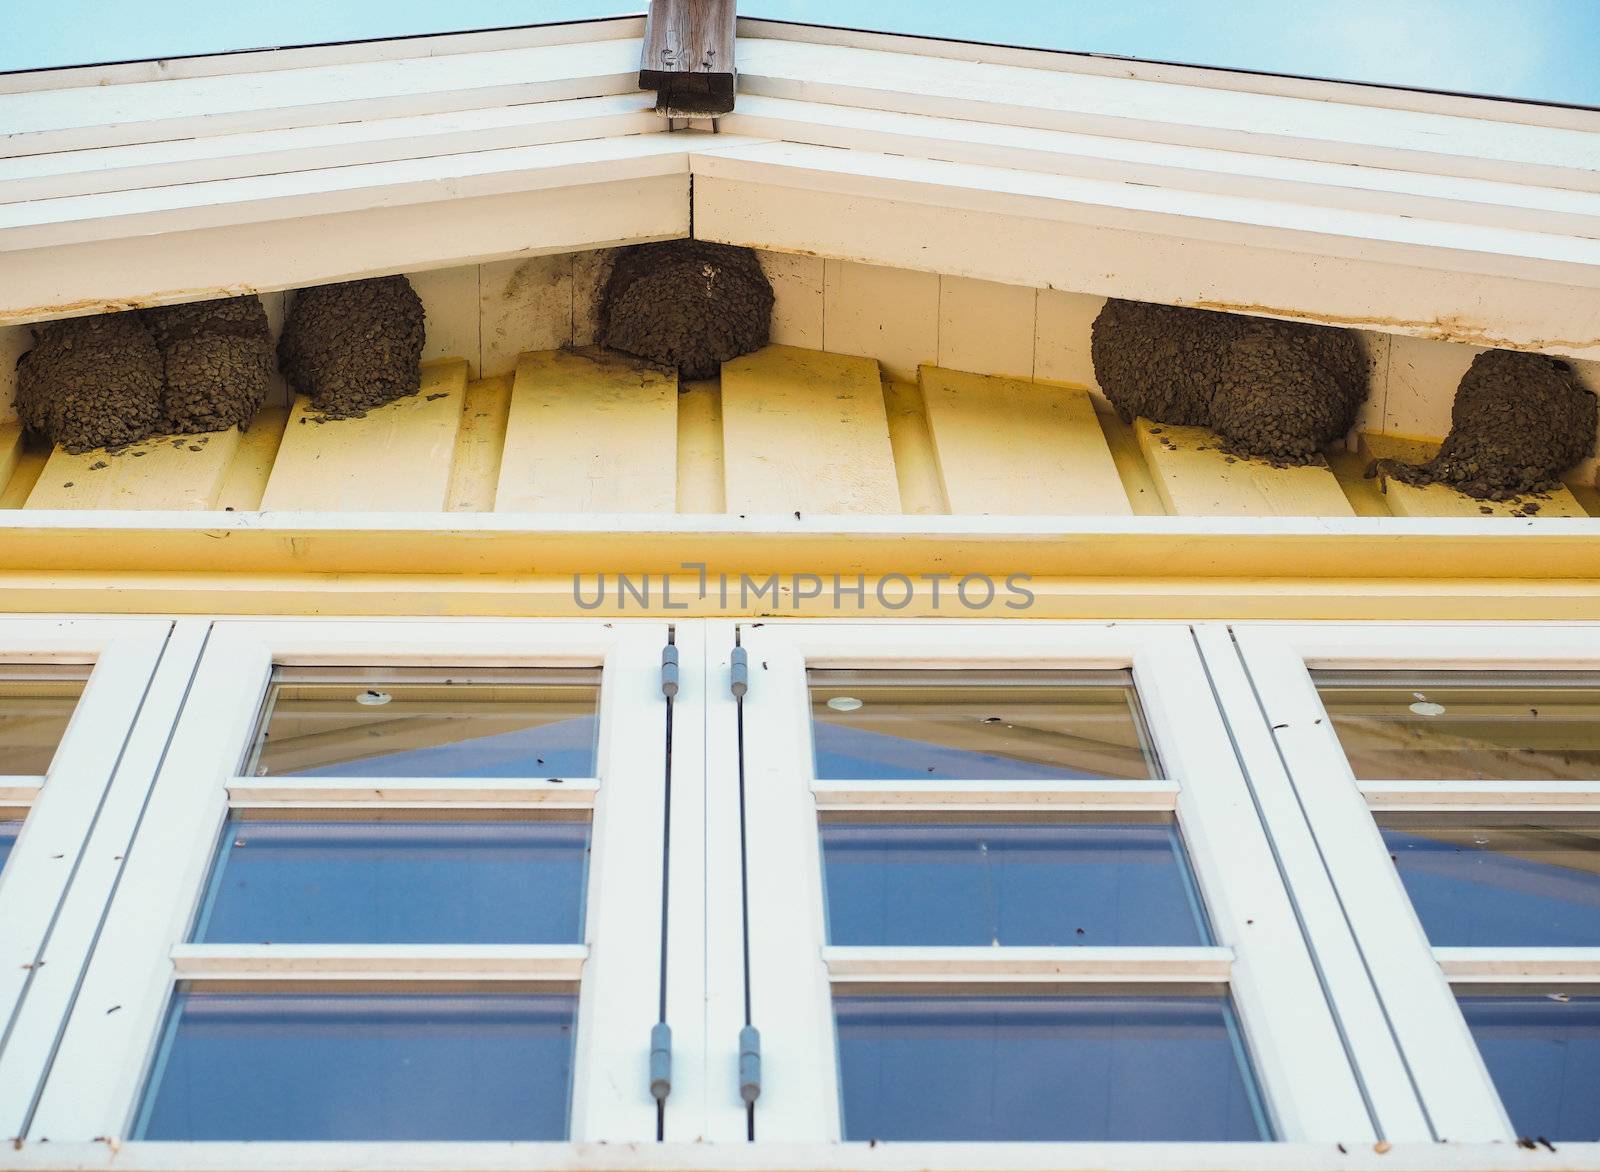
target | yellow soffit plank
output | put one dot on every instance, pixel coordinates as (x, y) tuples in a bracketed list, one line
[(1010, 447), (1196, 478), (1440, 500), (395, 458), (590, 434), (164, 472), (806, 432), (476, 468)]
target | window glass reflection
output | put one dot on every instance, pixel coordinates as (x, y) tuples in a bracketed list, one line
[(362, 1066), (394, 882), (1028, 884), (1510, 884), (942, 725), (1044, 1068), (1465, 726), (1543, 1053), (36, 704), (8, 839), (518, 722)]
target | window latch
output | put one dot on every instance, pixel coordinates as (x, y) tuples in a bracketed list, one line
[(660, 1061), (749, 1065), (739, 672), (669, 670)]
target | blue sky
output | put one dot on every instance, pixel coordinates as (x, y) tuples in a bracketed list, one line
[(1540, 49)]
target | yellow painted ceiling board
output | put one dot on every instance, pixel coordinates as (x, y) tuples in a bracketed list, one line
[(10, 451), (806, 432), (395, 458), (164, 472), (1440, 500), (476, 469), (1197, 479), (590, 434), (1010, 447), (252, 464)]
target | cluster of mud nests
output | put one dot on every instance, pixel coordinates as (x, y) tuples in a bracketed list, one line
[(1274, 390), (354, 346), (110, 380), (688, 304), (1518, 422)]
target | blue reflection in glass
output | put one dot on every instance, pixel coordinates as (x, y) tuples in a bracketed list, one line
[(413, 882), (362, 1066), (558, 748), (1020, 884), (1044, 1068), (1512, 886), (8, 839), (1544, 1057)]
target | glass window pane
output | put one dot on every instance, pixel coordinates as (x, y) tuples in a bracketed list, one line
[(977, 726), (1520, 886), (398, 882), (1543, 1053), (1044, 1068), (8, 839), (521, 722), (1465, 726), (362, 1066), (35, 706), (980, 883)]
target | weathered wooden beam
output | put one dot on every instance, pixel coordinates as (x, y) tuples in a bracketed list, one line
[(688, 56)]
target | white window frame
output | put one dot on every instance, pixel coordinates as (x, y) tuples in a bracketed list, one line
[(94, 1086), (1301, 1066), (79, 816), (1414, 980)]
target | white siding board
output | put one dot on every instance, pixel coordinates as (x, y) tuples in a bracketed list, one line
[(986, 327)]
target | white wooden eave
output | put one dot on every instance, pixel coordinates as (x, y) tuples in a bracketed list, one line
[(1455, 218)]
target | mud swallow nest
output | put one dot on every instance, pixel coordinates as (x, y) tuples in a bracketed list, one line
[(355, 345), (1275, 390), (217, 361), (688, 304), (91, 382), (1518, 422)]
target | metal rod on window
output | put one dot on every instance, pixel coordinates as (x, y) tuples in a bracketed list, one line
[(661, 1033), (749, 1036)]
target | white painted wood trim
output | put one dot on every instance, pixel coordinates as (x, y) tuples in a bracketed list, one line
[(335, 962), (988, 795), (936, 966), (1291, 1034), (67, 857), (103, 1053), (1465, 967), (411, 793), (1451, 796)]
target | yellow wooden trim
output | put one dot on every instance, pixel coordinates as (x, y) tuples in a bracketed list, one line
[(1366, 497), (395, 458), (700, 464), (475, 469), (590, 434), (806, 432), (1010, 447), (1138, 485), (247, 476), (1439, 600), (1197, 479), (166, 472), (30, 464), (1439, 500), (11, 450), (916, 465)]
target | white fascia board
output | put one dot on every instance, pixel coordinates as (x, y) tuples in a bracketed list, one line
[(1166, 112), (232, 202), (129, 272), (1271, 177), (1321, 231), (1009, 227), (98, 116), (340, 144)]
